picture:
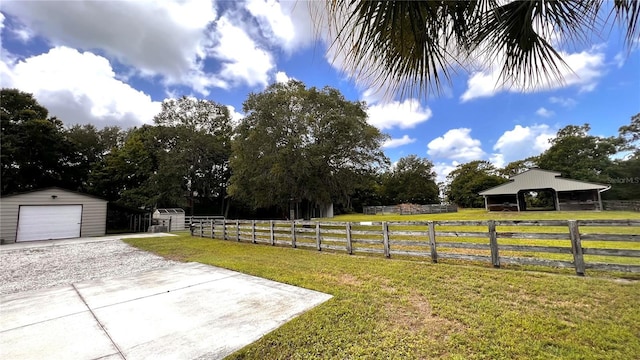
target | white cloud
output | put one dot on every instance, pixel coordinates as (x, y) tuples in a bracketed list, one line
[(166, 38), (282, 77), (243, 60), (393, 143), (236, 117), (521, 143), (456, 144), (544, 112), (619, 59), (442, 169), (80, 88), (286, 24), (406, 114), (584, 70), (565, 102)]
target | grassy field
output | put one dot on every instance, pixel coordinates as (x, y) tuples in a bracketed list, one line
[(481, 214), (396, 309)]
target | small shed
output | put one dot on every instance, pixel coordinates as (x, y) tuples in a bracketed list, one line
[(175, 216), (51, 213), (561, 194)]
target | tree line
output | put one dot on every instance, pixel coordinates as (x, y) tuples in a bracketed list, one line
[(296, 146)]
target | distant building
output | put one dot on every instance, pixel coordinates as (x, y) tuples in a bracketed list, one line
[(530, 189)]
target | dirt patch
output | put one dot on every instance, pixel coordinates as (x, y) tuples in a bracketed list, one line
[(414, 313), (348, 279)]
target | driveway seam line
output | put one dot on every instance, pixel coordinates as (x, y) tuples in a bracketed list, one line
[(99, 323)]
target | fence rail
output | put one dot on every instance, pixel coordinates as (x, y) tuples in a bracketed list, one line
[(624, 205), (558, 243), (410, 209)]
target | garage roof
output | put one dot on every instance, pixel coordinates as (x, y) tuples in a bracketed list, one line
[(534, 179), (52, 188)]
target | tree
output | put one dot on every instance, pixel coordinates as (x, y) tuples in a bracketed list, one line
[(467, 180), (300, 144), (516, 167), (412, 180), (624, 173), (34, 152), (630, 134), (89, 146), (412, 46), (578, 155), (130, 173), (197, 134)]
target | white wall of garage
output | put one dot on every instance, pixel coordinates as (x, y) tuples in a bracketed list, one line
[(94, 210)]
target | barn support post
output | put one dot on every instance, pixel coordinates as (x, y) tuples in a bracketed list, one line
[(576, 247), (237, 230)]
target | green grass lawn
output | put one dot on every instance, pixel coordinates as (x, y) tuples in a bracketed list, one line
[(397, 309), (481, 214)]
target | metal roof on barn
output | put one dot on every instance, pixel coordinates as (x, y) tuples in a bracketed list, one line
[(534, 179)]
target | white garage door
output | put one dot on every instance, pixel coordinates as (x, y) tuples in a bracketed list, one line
[(49, 222)]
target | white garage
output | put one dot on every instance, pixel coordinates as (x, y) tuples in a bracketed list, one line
[(51, 213)]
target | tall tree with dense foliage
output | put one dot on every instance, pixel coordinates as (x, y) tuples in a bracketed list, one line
[(34, 152), (129, 174), (88, 148), (467, 180), (197, 135), (302, 144), (624, 174), (411, 180), (415, 46), (578, 155)]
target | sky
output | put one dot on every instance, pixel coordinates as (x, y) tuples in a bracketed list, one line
[(114, 62)]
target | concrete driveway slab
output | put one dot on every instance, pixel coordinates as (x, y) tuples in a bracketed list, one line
[(75, 336), (185, 311), (115, 290), (31, 307)]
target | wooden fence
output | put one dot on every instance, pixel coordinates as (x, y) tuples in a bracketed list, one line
[(558, 243), (621, 205), (410, 209)]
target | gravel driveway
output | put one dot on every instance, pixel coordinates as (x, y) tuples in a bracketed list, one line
[(47, 266)]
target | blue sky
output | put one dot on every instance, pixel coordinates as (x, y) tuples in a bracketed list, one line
[(114, 62)]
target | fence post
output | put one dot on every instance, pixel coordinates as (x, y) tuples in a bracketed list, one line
[(385, 239), (576, 247), (212, 229), (272, 237), (318, 238), (349, 247), (237, 230), (225, 235), (253, 231), (493, 244), (169, 224), (293, 233), (432, 241)]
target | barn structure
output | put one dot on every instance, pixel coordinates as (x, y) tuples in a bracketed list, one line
[(51, 213), (537, 189)]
